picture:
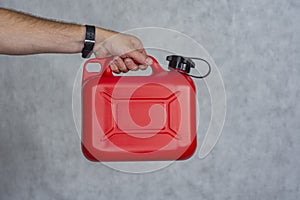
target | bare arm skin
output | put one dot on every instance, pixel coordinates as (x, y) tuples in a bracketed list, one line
[(23, 34)]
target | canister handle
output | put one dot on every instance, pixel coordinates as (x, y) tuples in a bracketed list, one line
[(156, 68), (103, 63), (106, 71)]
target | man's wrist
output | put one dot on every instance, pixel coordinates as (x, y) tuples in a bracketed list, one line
[(102, 34)]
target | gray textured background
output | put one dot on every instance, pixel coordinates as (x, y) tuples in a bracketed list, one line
[(255, 44)]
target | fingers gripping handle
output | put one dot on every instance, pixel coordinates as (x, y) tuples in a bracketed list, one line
[(156, 68), (106, 71)]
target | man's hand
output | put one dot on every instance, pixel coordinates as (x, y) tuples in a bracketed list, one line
[(127, 51)]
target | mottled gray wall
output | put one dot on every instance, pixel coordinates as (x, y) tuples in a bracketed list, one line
[(256, 46)]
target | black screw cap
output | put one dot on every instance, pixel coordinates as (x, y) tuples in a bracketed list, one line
[(180, 63)]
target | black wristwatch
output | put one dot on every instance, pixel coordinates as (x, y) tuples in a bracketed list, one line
[(89, 41)]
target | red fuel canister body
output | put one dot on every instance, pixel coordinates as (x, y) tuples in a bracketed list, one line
[(137, 118)]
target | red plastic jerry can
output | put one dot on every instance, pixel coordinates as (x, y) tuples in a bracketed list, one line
[(137, 118)]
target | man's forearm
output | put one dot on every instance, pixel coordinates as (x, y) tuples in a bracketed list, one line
[(24, 34)]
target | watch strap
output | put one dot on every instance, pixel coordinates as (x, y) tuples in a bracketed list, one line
[(89, 41)]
